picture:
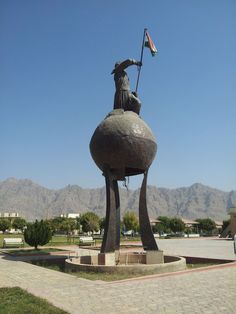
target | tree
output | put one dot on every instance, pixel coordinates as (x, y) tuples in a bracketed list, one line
[(37, 233), (78, 225), (90, 222), (51, 225), (206, 225), (102, 223), (4, 224), (158, 228), (225, 224), (19, 223), (177, 225), (68, 225), (56, 224), (164, 223), (130, 221)]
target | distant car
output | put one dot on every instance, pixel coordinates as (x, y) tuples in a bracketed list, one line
[(192, 235), (129, 233), (164, 234)]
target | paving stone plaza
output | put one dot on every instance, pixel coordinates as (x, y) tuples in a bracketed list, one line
[(209, 290)]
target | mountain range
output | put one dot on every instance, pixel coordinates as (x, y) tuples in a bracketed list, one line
[(33, 201)]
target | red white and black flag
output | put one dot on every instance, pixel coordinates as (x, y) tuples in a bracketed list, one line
[(150, 44), (147, 42)]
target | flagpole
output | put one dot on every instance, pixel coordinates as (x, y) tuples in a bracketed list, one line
[(141, 59)]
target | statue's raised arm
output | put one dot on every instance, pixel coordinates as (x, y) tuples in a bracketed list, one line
[(120, 66), (124, 98)]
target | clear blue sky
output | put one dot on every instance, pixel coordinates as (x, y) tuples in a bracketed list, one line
[(56, 57)]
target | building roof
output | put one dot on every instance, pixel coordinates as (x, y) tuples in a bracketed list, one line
[(219, 223), (190, 222), (154, 221)]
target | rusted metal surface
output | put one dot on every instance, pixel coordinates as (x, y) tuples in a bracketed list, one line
[(124, 143), (111, 238)]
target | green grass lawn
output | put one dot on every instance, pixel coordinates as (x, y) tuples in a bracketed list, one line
[(18, 301), (59, 266), (85, 275), (55, 241), (62, 240), (130, 239), (58, 240), (105, 276), (33, 251), (198, 265)]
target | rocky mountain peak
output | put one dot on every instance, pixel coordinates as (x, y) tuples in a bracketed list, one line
[(34, 201)]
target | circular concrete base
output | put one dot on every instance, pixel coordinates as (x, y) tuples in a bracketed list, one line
[(171, 264)]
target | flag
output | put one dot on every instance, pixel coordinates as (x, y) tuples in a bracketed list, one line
[(150, 44)]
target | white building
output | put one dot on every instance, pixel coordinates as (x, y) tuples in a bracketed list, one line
[(71, 215), (9, 215)]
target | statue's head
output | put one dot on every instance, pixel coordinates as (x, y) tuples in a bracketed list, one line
[(116, 65)]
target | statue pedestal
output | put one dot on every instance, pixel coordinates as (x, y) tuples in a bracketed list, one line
[(107, 259), (154, 257)]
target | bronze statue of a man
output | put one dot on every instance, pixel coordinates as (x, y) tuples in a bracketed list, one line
[(124, 98)]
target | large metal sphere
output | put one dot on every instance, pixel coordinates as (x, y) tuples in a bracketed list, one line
[(124, 144)]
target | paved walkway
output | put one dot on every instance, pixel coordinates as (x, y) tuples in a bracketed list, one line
[(200, 291), (199, 247)]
